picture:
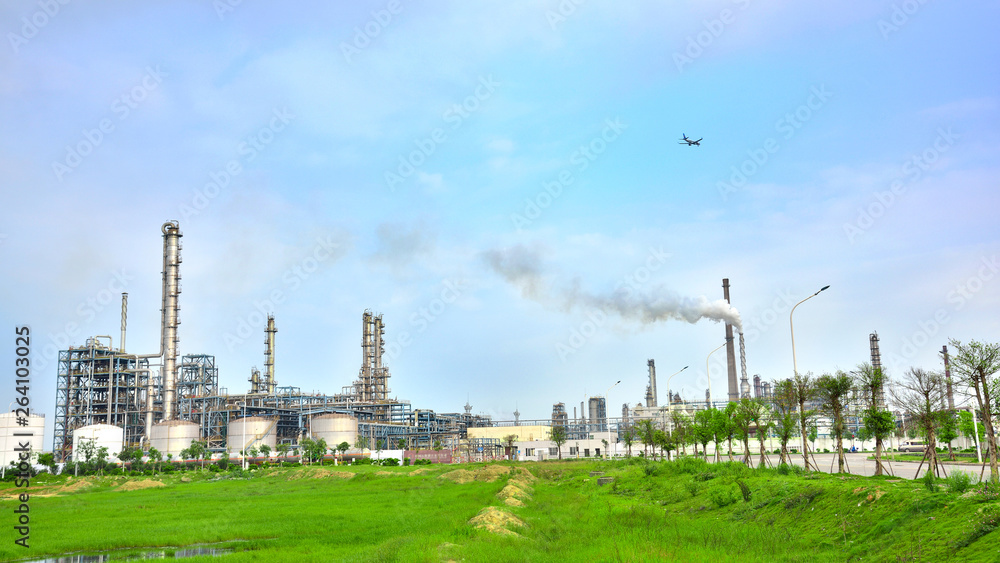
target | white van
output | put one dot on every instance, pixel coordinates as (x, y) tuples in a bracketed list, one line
[(912, 446)]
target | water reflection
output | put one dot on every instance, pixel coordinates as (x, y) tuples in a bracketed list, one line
[(161, 554)]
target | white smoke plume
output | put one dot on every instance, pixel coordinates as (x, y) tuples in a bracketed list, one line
[(522, 267)]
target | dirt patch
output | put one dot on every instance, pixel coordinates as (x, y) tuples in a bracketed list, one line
[(74, 486), (460, 476), (523, 474), (137, 485), (388, 474), (513, 491), (496, 521), (512, 501), (491, 473), (420, 471), (318, 473)]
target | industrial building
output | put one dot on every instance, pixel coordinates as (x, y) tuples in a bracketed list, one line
[(165, 399)]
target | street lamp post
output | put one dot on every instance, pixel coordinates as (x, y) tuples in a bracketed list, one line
[(607, 419), (708, 373), (795, 371), (670, 404), (795, 366), (244, 438)]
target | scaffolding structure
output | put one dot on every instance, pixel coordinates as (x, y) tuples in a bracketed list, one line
[(96, 384)]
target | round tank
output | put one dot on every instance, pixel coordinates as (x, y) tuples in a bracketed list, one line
[(172, 436), (103, 435), (8, 441), (252, 432), (334, 428)]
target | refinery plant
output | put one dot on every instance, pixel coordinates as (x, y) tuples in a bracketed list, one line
[(123, 399), (166, 400)]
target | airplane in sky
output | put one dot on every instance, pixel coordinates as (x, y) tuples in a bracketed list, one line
[(690, 142)]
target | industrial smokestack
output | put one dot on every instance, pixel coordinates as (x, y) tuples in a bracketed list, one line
[(947, 378), (757, 390), (169, 318), (651, 389), (734, 392), (877, 365)]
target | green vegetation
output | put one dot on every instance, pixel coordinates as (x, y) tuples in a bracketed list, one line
[(687, 510)]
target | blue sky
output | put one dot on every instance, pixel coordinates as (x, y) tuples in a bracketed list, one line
[(853, 144)]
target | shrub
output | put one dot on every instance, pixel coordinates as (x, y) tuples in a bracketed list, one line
[(723, 496), (959, 481), (363, 461), (826, 451), (389, 462), (406, 461), (929, 482), (422, 462), (745, 490), (692, 487), (783, 469)]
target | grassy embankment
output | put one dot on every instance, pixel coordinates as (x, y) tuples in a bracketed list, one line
[(686, 510)]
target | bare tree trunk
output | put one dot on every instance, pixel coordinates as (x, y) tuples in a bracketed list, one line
[(746, 450), (763, 452), (878, 456), (985, 405), (840, 452), (730, 448), (805, 443), (784, 453)]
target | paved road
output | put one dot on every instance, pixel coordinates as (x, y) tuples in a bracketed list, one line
[(859, 464)]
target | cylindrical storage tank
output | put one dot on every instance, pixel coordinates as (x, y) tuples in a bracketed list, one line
[(172, 436), (33, 433), (252, 432), (334, 428), (103, 435)]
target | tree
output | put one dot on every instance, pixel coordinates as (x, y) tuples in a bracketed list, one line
[(361, 442), (88, 448), (558, 436), (976, 364), (155, 456), (974, 432), (785, 421), (101, 459), (804, 390), (721, 428), (742, 420), (646, 434), (682, 429), (833, 393), (702, 428), (919, 393), (878, 421), (48, 460), (628, 436), (265, 450), (199, 451), (948, 429), (665, 441), (342, 448), (401, 444), (754, 412)]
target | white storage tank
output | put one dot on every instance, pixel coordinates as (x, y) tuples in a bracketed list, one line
[(172, 436), (252, 432), (334, 428), (9, 442), (103, 435)]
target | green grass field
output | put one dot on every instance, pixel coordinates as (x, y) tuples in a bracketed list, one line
[(556, 511)]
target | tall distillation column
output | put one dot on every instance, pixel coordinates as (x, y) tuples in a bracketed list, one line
[(270, 384), (169, 317)]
